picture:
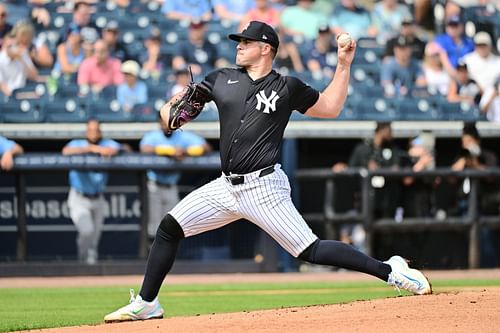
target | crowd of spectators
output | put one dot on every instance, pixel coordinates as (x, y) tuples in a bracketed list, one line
[(88, 49)]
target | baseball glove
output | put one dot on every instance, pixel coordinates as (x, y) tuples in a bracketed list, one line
[(188, 105)]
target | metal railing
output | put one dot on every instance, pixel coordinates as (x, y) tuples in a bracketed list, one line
[(135, 162), (470, 222)]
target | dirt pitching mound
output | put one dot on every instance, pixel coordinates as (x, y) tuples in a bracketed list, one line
[(467, 310)]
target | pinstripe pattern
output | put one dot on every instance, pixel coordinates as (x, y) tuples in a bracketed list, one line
[(264, 201)]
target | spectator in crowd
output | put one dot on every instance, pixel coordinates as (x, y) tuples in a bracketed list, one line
[(417, 194), (402, 72), (490, 102), (187, 10), (437, 75), (408, 31), (483, 65), (86, 201), (262, 11), (375, 153), (82, 17), (326, 7), (100, 70), (110, 34), (39, 52), (15, 67), (320, 60), (232, 10), (182, 78), (453, 41), (197, 51), (474, 156), (301, 20), (5, 27), (463, 88), (162, 186), (387, 16), (288, 56), (349, 16), (8, 149), (153, 61), (70, 54), (132, 91)]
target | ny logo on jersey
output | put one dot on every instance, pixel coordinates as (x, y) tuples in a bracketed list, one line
[(268, 102)]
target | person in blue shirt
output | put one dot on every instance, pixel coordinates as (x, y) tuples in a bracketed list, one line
[(454, 42), (187, 10), (8, 149), (163, 193), (132, 91), (85, 201), (401, 73)]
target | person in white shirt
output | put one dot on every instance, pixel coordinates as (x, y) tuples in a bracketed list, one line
[(15, 67), (490, 102), (484, 66)]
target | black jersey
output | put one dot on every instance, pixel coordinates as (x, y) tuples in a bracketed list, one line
[(253, 115)]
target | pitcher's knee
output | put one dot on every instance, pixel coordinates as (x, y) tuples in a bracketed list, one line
[(310, 252), (170, 229)]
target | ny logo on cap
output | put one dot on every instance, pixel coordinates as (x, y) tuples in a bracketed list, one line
[(269, 102)]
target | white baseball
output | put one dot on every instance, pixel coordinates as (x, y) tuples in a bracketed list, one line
[(344, 39)]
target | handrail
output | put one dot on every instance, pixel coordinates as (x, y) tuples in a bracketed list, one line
[(471, 221)]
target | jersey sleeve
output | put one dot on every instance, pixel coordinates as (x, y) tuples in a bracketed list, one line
[(209, 82), (302, 96)]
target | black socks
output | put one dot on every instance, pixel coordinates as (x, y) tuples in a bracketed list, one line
[(161, 257), (335, 253)]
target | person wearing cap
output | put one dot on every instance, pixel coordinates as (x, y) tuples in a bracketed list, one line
[(453, 40), (163, 192), (474, 156), (110, 34), (70, 54), (187, 10), (463, 88), (320, 59), (408, 31), (350, 16), (100, 70), (197, 52), (387, 16), (483, 65), (398, 75), (255, 104), (132, 91), (301, 20)]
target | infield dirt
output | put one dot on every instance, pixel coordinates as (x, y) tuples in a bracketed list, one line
[(457, 310)]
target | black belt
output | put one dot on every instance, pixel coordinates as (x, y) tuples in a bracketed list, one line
[(240, 179), (89, 196)]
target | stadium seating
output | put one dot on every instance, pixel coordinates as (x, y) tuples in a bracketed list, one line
[(67, 109), (22, 111)]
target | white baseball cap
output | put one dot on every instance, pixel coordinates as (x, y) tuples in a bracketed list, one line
[(482, 38), (131, 67)]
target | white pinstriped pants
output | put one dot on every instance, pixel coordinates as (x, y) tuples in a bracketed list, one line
[(264, 201)]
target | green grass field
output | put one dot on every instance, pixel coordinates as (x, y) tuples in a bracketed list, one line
[(31, 308)]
